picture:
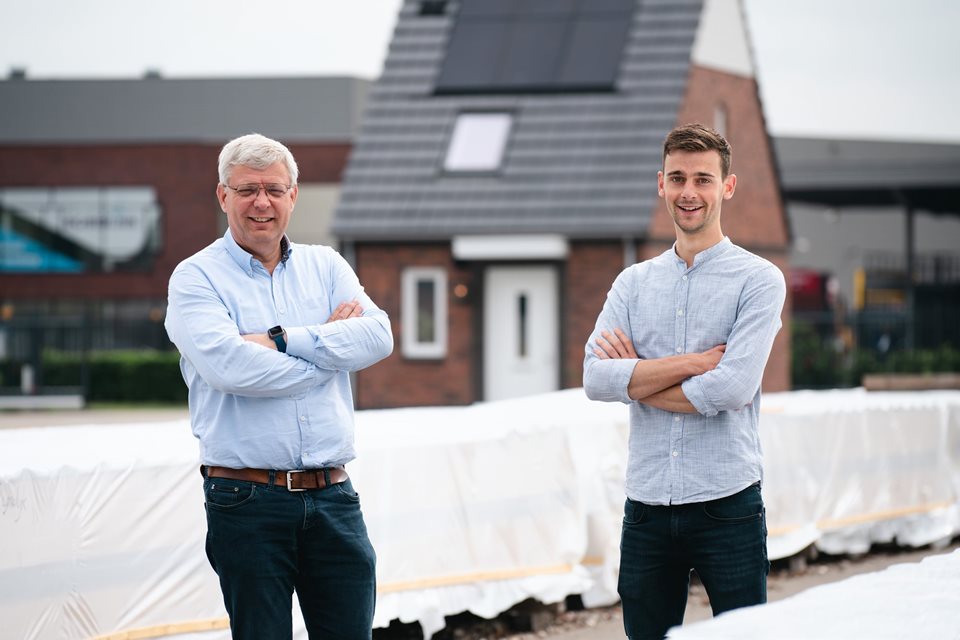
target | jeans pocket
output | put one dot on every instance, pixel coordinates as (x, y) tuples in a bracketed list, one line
[(634, 512), (227, 494), (745, 506), (345, 490)]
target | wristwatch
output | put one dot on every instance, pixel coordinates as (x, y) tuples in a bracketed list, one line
[(277, 335)]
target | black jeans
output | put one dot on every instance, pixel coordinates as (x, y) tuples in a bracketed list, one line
[(724, 540), (265, 542)]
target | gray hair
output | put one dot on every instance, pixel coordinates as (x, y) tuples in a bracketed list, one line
[(257, 152)]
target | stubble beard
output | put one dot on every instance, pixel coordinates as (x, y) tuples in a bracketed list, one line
[(690, 227)]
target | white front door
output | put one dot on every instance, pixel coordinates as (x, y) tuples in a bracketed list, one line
[(521, 334)]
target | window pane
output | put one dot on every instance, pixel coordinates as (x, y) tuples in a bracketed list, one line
[(478, 142), (423, 312), (426, 311), (522, 329), (78, 229)]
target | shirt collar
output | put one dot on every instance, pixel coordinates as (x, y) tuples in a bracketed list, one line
[(247, 261), (705, 255)]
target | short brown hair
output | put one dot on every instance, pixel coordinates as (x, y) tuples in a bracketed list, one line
[(697, 137)]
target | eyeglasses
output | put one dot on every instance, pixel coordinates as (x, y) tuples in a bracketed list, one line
[(247, 191)]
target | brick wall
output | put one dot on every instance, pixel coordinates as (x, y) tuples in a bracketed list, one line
[(185, 178), (590, 271), (399, 381), (455, 380)]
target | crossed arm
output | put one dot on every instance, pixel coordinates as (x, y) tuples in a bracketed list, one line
[(200, 324), (656, 382), (344, 311)]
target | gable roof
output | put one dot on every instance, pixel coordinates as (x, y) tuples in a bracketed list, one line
[(579, 164), (292, 109)]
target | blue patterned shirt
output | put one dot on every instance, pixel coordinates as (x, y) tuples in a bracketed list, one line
[(729, 296), (256, 407)]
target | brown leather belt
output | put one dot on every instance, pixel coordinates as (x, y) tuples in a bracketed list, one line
[(295, 480)]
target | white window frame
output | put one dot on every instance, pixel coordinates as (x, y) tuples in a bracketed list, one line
[(478, 142), (410, 345)]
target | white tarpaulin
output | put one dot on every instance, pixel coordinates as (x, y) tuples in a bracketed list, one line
[(910, 600), (469, 508)]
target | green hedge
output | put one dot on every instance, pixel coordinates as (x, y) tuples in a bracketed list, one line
[(120, 376), (817, 365)]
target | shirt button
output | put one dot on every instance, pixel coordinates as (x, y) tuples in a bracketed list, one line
[(303, 418), (684, 277), (679, 312), (679, 349), (676, 418), (676, 453)]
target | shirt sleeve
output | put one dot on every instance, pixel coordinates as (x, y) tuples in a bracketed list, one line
[(344, 345), (199, 324), (607, 379), (733, 384)]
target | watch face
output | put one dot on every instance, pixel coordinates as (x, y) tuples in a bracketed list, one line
[(273, 332)]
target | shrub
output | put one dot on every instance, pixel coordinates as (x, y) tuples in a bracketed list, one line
[(817, 365), (119, 376)]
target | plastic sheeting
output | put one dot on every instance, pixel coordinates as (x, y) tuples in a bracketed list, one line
[(844, 469), (469, 508), (910, 600)]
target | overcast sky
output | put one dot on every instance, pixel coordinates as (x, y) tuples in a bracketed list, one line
[(828, 68)]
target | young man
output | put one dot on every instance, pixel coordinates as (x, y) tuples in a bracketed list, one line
[(683, 339), (269, 331)]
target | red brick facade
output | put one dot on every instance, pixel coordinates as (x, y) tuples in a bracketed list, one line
[(185, 178), (399, 381), (456, 379), (590, 271)]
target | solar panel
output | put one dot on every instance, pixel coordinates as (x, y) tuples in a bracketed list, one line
[(516, 46)]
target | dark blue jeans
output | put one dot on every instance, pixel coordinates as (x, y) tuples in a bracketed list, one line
[(724, 540), (265, 542)]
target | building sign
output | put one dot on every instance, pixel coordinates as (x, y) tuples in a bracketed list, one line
[(78, 229)]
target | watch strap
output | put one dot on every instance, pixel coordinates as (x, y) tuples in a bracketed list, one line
[(276, 334)]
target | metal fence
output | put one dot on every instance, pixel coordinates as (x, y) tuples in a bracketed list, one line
[(28, 345)]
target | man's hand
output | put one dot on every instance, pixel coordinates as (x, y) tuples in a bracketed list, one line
[(709, 359), (614, 345), (345, 311)]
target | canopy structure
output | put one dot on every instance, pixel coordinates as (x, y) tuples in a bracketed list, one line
[(874, 176)]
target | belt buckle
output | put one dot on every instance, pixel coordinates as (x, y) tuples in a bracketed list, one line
[(290, 477)]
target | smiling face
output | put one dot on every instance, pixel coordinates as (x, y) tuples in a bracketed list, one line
[(258, 223), (693, 188)]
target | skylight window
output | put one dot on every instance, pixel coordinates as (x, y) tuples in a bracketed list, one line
[(478, 142)]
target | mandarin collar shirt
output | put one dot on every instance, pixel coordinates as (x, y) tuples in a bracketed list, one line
[(255, 407), (728, 296)]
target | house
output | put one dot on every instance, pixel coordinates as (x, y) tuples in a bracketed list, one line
[(505, 173), (106, 185)]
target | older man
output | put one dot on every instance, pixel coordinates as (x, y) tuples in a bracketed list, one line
[(269, 331)]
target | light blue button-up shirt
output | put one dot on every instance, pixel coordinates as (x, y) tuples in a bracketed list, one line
[(729, 296), (256, 407)]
